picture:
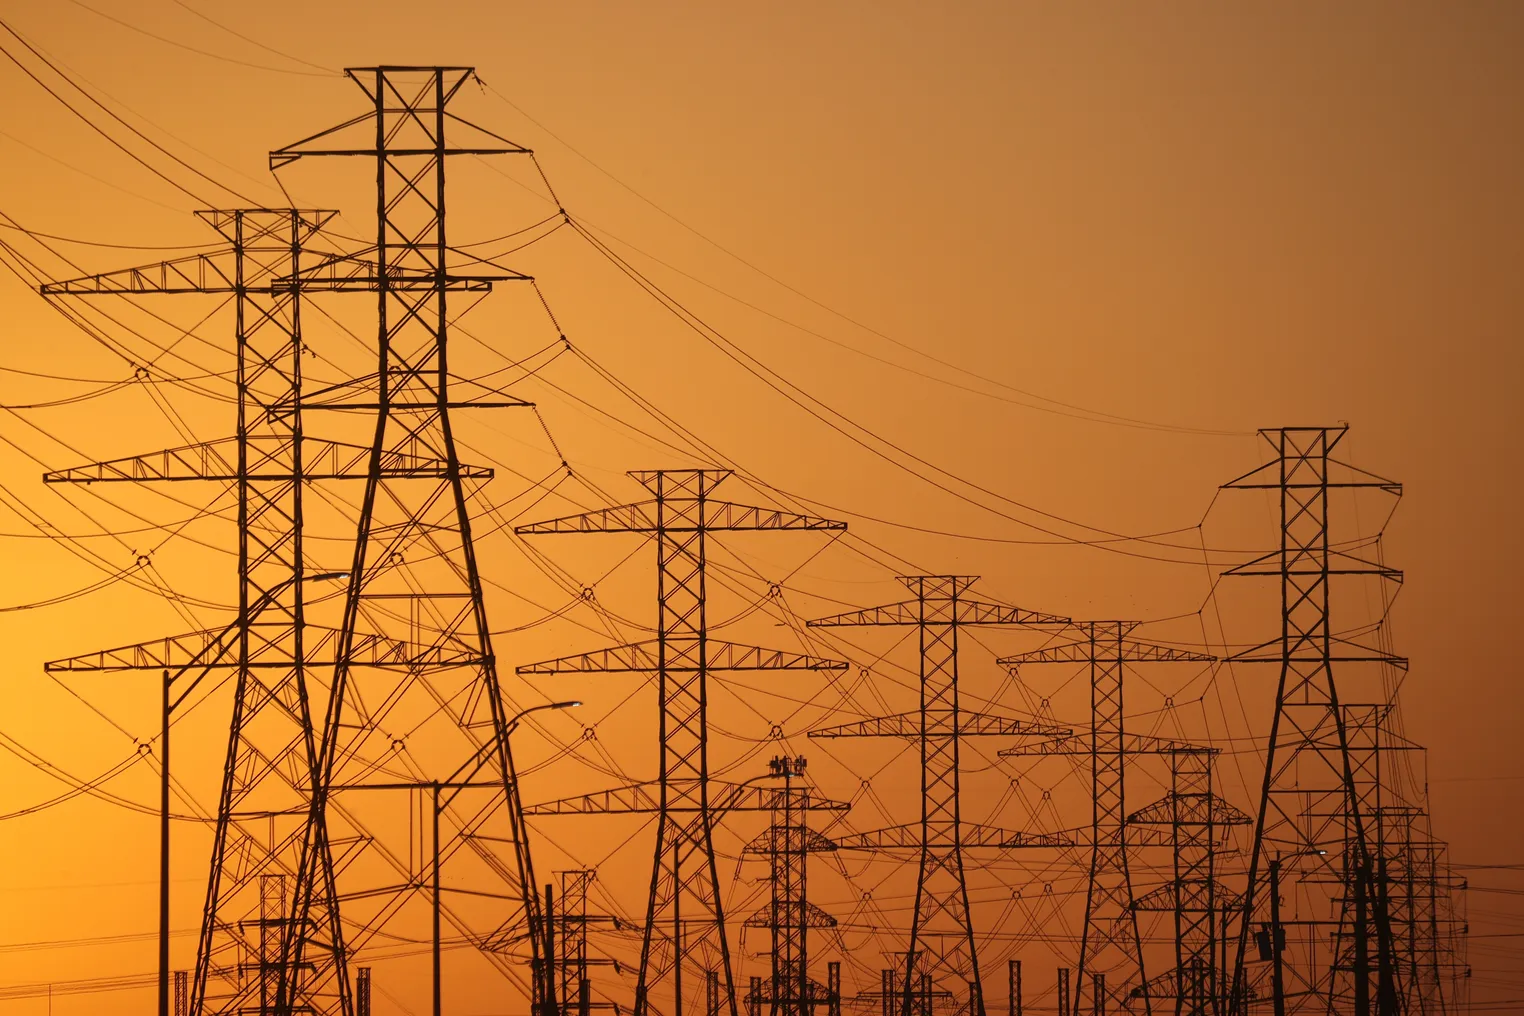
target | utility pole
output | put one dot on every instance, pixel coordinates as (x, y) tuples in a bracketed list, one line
[(685, 893), (941, 938), (1109, 939), (164, 851), (1310, 801)]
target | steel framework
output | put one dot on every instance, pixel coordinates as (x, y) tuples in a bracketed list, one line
[(1195, 817), (787, 843), (414, 561), (1109, 941), (1310, 808), (941, 937), (571, 948), (685, 920), (269, 645)]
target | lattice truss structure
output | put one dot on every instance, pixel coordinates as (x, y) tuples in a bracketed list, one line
[(685, 950), (300, 879), (788, 916), (395, 687), (1110, 968), (939, 965), (1321, 842)]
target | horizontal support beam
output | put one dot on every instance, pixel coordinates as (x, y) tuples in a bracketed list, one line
[(908, 725), (645, 799), (914, 612), (217, 647), (1107, 651), (269, 459), (681, 657), (680, 515), (1132, 744), (909, 837)]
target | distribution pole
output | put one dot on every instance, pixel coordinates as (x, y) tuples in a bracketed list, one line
[(164, 851)]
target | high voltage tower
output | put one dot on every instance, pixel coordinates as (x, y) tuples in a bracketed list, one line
[(1315, 835), (787, 843), (1195, 897), (685, 920), (373, 678), (941, 944), (1111, 950)]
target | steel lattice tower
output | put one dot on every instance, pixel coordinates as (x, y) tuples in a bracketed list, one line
[(787, 843), (685, 920), (270, 645), (1109, 942), (1310, 816), (941, 931), (414, 560), (1406, 879), (572, 954), (1195, 818)]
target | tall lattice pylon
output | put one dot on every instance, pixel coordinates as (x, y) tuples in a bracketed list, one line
[(573, 950), (685, 935), (787, 843), (1310, 820), (941, 944), (439, 709), (1109, 941), (270, 646), (1195, 818)]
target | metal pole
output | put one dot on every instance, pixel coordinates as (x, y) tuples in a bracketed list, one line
[(164, 853), (1013, 973), (551, 988), (1277, 973), (437, 971)]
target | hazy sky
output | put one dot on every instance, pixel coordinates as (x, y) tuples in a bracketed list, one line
[(970, 231)]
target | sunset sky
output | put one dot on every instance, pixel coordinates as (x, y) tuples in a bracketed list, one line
[(1032, 276)]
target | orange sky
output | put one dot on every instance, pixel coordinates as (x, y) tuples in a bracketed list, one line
[(1207, 217)]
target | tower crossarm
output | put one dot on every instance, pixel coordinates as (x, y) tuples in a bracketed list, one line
[(776, 839), (909, 612), (1127, 650), (357, 135), (1132, 744), (268, 460), (645, 799), (909, 837), (213, 647), (1303, 442), (679, 515), (645, 657), (1190, 810), (1197, 896), (1308, 563), (908, 725), (1312, 652), (814, 917)]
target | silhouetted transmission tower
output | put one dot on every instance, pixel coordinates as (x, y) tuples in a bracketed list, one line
[(941, 941), (415, 569), (685, 919)]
